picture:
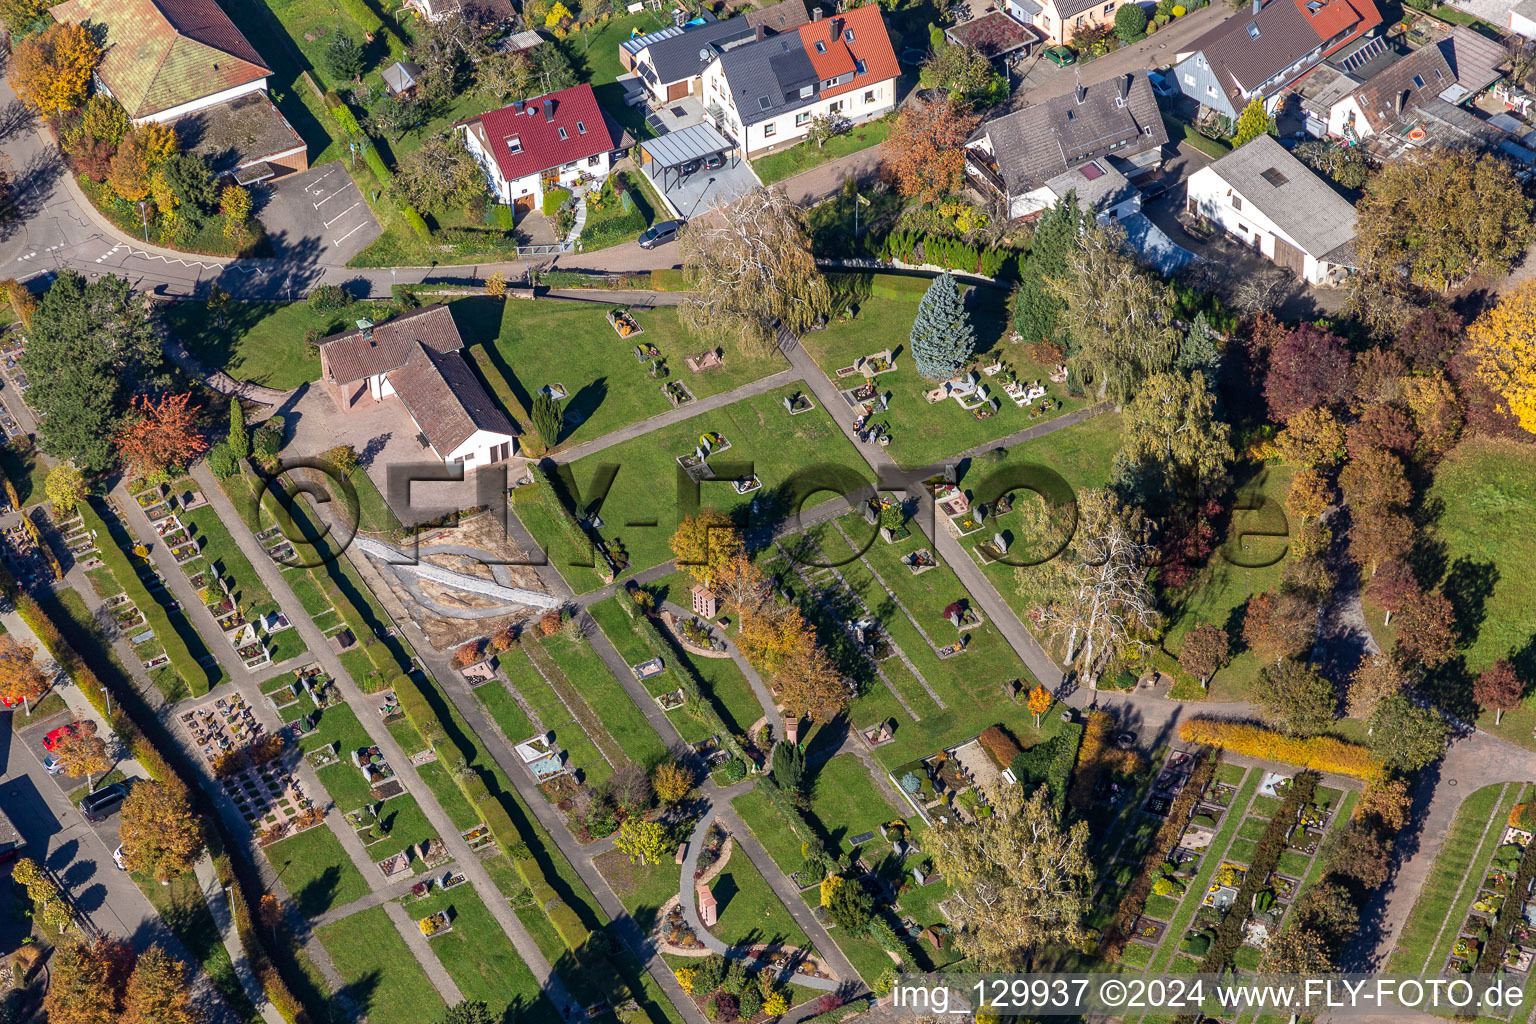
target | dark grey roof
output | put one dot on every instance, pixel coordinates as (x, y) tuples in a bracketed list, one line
[(635, 44), (766, 77), (680, 57), (1034, 145), (1475, 59), (1072, 8), (1253, 48), (785, 16), (692, 143), (401, 75), (1282, 188), (1423, 74)]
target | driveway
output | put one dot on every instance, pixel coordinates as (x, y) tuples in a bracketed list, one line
[(318, 216), (1045, 80)]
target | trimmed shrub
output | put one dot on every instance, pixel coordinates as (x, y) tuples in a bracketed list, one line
[(417, 223), (346, 121), (375, 164), (1320, 753), (1000, 747)]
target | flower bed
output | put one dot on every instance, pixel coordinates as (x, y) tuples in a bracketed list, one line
[(435, 924)]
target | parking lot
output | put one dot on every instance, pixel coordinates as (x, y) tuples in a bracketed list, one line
[(696, 192), (318, 216)]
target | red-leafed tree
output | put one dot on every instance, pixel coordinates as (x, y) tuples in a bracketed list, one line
[(1392, 586), (1279, 626), (1498, 687), (1386, 427), (1307, 368), (161, 435), (1427, 339), (926, 149)]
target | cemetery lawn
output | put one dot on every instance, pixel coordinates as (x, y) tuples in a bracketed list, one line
[(448, 795), (779, 447), (848, 803), (262, 342), (572, 344), (1486, 490), (582, 755), (969, 685), (383, 978), (924, 433), (622, 632), (480, 958), (607, 699), (1460, 867), (642, 888), (317, 871), (750, 911)]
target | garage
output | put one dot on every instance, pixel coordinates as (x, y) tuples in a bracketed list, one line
[(522, 204), (1290, 257), (679, 164)]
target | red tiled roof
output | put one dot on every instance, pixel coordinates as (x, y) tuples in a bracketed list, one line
[(442, 395), (161, 54), (871, 44), (349, 356), (541, 146)]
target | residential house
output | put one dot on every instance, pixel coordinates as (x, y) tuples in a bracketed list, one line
[(416, 359), (1260, 53), (785, 16), (1089, 141), (543, 143), (1060, 20), (766, 93), (1266, 198), (184, 63), (1522, 19), (671, 62)]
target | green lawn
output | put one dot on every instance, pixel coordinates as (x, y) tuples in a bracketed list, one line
[(607, 699), (479, 957), (1484, 493), (402, 824), (572, 344), (779, 448), (24, 468), (970, 685), (338, 724), (582, 754), (846, 801), (642, 888), (770, 829), (923, 433), (504, 710), (262, 342), (185, 911), (383, 978), (749, 910), (316, 871), (622, 632), (598, 47), (802, 157), (228, 562), (448, 795)]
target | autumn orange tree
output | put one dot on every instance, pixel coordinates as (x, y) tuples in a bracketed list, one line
[(158, 992), (161, 436), (926, 149), (771, 636), (20, 678), (705, 542), (809, 685), (51, 72), (86, 981), (1039, 702), (1504, 343), (159, 834), (83, 753)]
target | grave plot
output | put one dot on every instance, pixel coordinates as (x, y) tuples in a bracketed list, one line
[(220, 727)]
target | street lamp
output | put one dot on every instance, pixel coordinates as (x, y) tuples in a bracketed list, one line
[(144, 219)]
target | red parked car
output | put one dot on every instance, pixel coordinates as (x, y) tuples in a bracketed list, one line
[(52, 739)]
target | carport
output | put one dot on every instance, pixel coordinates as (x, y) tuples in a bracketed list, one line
[(670, 153)]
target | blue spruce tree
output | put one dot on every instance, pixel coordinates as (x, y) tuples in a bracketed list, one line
[(942, 336)]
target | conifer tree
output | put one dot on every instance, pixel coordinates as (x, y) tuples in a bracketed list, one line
[(942, 336)]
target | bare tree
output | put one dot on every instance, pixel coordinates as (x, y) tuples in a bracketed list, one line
[(1104, 609), (753, 266)]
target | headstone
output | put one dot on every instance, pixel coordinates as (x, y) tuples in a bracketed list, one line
[(954, 618), (699, 454), (870, 515), (789, 404), (885, 401), (792, 730), (918, 876), (1000, 543), (886, 535), (682, 853)]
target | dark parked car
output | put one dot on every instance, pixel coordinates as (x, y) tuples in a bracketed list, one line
[(660, 233), (1152, 191), (714, 161), (103, 803), (691, 167)]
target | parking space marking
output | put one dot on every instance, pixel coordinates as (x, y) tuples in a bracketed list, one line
[(349, 234), (343, 213)]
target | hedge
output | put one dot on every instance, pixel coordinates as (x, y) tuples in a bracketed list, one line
[(1229, 934), (361, 13), (417, 223), (1319, 753), (943, 251), (1059, 777), (1167, 838), (116, 559), (375, 164), (347, 122)]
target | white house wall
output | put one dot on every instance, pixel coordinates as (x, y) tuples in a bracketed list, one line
[(509, 192), (476, 450), (1212, 197), (205, 102), (1338, 117), (860, 104)]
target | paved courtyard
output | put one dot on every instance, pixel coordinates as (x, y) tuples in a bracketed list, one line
[(317, 213)]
